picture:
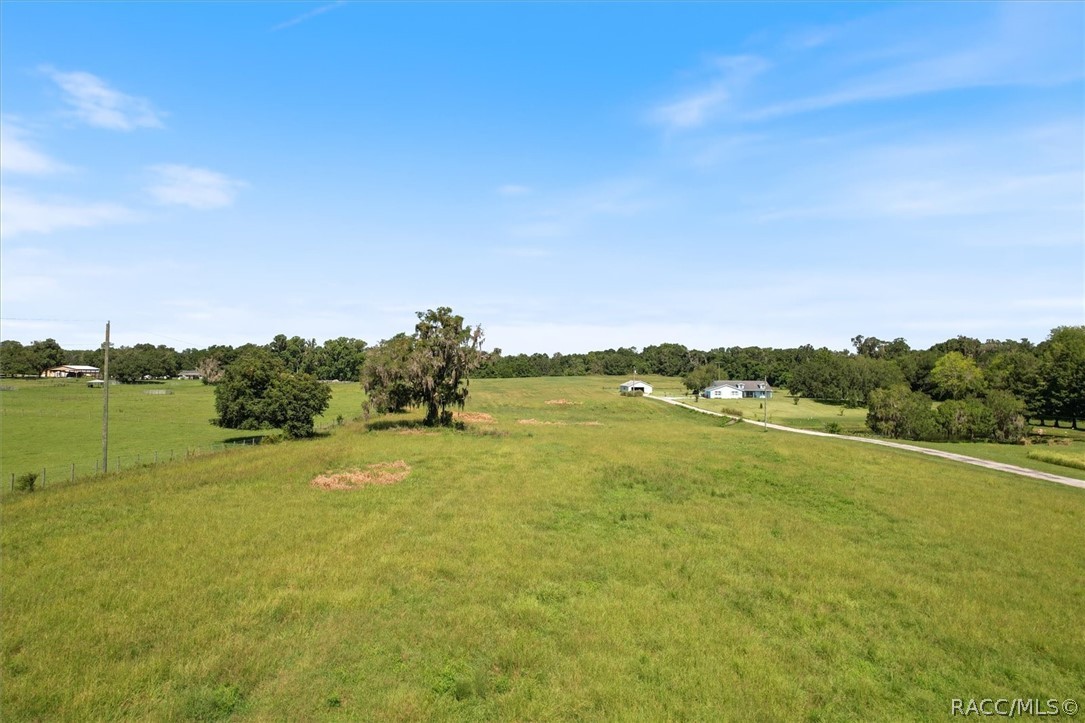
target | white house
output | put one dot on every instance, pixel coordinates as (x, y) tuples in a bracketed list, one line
[(735, 389), (634, 385), (189, 374)]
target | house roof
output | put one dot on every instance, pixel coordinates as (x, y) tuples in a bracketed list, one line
[(746, 384), (76, 368), (634, 381), (189, 372)]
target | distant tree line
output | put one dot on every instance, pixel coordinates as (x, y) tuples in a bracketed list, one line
[(339, 358), (1047, 379)]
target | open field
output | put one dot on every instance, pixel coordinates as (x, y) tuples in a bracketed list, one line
[(809, 414), (54, 423), (614, 558)]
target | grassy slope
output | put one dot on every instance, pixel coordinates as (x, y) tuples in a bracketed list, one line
[(54, 423), (657, 566)]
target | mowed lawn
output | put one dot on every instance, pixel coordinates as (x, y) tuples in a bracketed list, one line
[(615, 558), (55, 423)]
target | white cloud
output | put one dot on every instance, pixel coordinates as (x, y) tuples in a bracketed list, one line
[(693, 110), (513, 189), (97, 104), (731, 74), (194, 187), (21, 214), (1026, 44), (17, 155), (309, 15)]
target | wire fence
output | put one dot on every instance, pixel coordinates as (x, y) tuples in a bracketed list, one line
[(53, 476)]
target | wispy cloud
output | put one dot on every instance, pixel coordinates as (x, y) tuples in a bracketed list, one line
[(198, 188), (21, 214), (309, 15), (513, 189), (1025, 44), (20, 156), (730, 74), (1016, 44), (96, 103)]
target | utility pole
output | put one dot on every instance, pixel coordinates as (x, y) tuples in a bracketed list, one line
[(766, 398), (105, 404)]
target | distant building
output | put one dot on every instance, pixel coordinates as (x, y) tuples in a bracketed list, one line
[(635, 386), (735, 389), (72, 370), (189, 374)]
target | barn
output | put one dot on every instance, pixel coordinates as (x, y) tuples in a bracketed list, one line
[(634, 385)]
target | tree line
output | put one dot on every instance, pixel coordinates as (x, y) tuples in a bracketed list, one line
[(335, 359), (1047, 379)]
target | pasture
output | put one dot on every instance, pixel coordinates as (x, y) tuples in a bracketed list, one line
[(54, 423), (577, 555)]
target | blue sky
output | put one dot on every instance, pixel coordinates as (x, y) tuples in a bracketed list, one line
[(571, 176)]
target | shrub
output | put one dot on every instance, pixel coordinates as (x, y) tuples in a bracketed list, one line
[(731, 411), (26, 482), (832, 427)]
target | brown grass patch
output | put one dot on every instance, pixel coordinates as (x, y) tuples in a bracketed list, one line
[(381, 473), (415, 431), (560, 424), (479, 417), (561, 402)]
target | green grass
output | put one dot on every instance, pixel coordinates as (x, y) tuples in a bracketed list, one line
[(53, 423), (806, 414), (1062, 459), (654, 566)]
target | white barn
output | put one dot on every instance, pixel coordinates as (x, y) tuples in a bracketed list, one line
[(634, 385), (736, 389), (72, 370)]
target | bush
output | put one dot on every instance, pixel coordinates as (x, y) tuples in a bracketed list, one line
[(26, 482), (731, 411), (832, 427)]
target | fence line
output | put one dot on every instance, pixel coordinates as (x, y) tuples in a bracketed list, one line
[(68, 472)]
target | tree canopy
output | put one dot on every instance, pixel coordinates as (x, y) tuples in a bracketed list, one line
[(257, 392), (431, 368)]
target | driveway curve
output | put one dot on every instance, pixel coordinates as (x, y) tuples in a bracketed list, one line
[(1000, 466)]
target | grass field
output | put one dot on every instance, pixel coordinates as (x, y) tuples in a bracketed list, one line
[(614, 559), (809, 414), (54, 423)]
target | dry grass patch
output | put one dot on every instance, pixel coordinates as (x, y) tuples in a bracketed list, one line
[(380, 473), (561, 402), (478, 417), (560, 424)]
